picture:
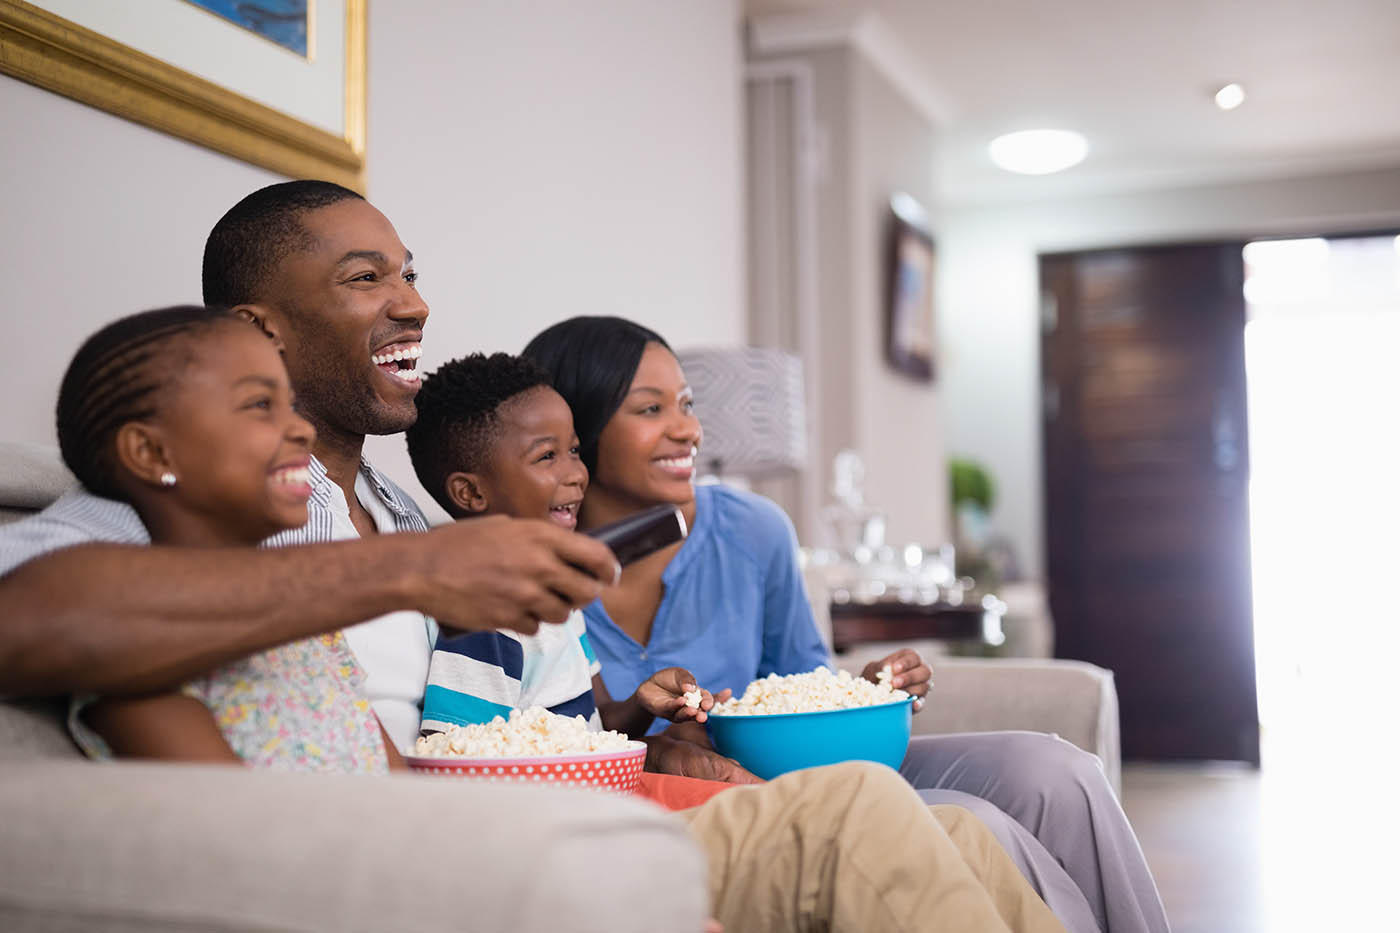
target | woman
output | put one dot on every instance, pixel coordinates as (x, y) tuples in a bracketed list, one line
[(727, 604)]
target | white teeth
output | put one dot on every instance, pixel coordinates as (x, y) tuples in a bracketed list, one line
[(293, 475), (678, 462), (411, 352)]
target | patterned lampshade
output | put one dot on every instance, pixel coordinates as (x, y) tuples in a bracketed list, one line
[(750, 403)]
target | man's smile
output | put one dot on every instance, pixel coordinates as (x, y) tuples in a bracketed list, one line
[(400, 360)]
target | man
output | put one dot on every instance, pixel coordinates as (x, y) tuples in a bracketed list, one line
[(73, 620), (325, 276)]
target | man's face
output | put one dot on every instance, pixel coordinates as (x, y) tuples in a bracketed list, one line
[(351, 322)]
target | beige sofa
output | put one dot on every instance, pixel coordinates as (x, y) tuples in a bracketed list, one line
[(127, 847)]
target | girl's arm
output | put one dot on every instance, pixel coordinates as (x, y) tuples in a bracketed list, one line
[(396, 762), (164, 726)]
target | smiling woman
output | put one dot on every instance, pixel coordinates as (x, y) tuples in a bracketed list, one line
[(728, 605)]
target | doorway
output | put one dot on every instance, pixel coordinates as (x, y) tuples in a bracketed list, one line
[(1322, 350)]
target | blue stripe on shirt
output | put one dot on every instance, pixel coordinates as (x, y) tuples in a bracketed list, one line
[(587, 650), (581, 705), (488, 647), (443, 705)]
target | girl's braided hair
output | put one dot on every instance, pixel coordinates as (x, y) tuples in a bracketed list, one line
[(113, 380)]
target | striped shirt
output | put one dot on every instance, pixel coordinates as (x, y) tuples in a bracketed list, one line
[(476, 676), (393, 650)]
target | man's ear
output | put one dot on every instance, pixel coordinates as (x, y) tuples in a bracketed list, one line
[(264, 320), (468, 492), (141, 451)]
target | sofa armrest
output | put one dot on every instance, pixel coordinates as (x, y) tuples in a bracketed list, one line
[(136, 846), (1071, 699)]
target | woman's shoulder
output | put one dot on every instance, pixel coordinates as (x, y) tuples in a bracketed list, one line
[(744, 518)]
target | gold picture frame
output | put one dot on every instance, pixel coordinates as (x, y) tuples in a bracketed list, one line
[(46, 50)]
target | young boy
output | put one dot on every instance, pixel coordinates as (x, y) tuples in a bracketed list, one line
[(493, 438)]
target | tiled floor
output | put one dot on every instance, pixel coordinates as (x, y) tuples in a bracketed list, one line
[(1306, 844)]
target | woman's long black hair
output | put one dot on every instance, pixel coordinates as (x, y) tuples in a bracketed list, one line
[(592, 361)]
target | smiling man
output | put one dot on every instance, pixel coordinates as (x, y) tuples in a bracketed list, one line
[(326, 277)]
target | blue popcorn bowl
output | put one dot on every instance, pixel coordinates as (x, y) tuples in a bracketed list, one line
[(776, 744)]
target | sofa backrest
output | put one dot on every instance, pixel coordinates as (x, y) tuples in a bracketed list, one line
[(32, 476)]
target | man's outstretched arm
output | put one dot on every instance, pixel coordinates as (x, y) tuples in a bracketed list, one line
[(122, 619)]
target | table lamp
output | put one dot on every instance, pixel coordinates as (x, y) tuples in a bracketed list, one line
[(750, 402)]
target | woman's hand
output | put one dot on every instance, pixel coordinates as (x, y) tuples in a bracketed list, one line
[(664, 694), (909, 671)]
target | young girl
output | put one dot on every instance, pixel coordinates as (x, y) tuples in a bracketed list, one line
[(728, 604), (186, 414)]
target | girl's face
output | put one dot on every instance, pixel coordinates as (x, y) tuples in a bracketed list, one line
[(646, 452), (239, 452)]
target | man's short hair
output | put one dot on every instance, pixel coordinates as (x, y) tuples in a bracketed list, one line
[(248, 242), (458, 421)]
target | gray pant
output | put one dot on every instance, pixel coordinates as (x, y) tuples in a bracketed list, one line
[(1051, 807)]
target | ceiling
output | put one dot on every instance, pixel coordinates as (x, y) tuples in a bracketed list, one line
[(1137, 78)]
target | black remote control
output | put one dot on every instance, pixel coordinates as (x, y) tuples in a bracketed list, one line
[(638, 535)]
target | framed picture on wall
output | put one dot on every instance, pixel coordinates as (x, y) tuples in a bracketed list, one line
[(909, 306), (278, 83)]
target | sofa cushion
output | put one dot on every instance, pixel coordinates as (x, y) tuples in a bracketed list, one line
[(128, 846), (31, 475), (35, 729)]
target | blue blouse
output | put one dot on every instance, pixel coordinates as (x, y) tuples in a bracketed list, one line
[(733, 607)]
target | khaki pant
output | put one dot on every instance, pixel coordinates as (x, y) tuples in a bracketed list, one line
[(851, 847)]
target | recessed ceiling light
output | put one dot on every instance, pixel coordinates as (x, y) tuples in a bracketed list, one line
[(1229, 97), (1038, 152)]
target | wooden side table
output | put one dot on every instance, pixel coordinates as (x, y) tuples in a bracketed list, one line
[(857, 623)]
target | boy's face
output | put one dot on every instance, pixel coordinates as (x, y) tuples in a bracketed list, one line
[(534, 470)]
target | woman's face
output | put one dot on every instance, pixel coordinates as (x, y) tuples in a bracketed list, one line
[(646, 452), (238, 450)]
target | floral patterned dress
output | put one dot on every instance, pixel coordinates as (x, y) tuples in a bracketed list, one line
[(298, 707)]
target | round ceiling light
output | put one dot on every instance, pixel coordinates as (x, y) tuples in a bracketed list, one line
[(1038, 152), (1229, 97)]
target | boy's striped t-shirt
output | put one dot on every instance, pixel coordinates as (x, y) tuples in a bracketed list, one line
[(474, 677)]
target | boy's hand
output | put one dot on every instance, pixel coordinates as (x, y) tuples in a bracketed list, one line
[(664, 694), (667, 755), (910, 672)]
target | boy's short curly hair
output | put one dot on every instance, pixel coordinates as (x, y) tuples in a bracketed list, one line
[(458, 419)]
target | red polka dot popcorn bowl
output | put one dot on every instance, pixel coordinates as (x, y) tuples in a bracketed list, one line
[(618, 772)]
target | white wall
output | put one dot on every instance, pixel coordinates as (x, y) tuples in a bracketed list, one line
[(989, 300), (569, 159), (576, 159), (870, 141), (898, 419)]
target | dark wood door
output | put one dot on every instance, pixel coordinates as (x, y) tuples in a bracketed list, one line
[(1146, 470)]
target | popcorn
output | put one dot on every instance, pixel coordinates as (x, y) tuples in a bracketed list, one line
[(692, 698), (527, 734), (810, 693)]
